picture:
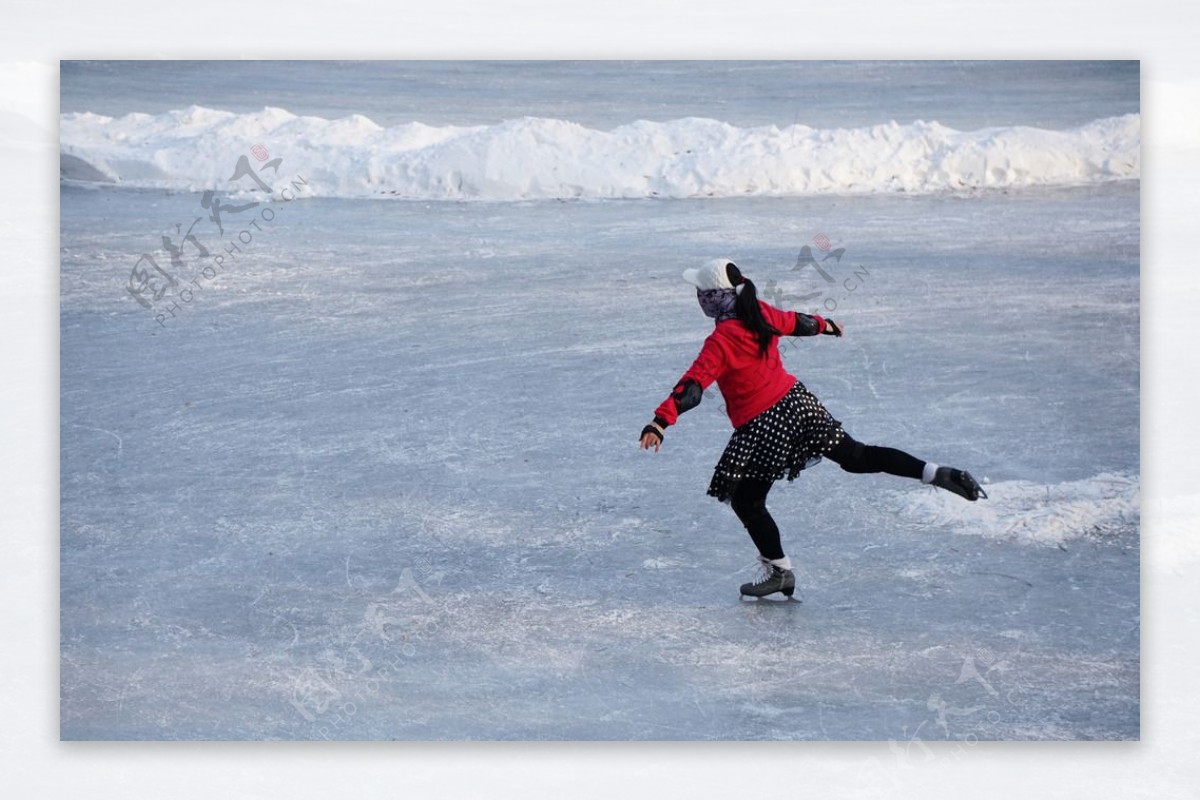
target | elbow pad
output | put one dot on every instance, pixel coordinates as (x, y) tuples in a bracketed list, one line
[(687, 394), (806, 325)]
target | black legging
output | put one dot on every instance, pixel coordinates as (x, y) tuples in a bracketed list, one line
[(749, 500)]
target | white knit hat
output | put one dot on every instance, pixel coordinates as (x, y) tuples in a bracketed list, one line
[(713, 275)]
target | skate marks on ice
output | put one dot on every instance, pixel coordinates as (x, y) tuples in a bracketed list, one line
[(230, 568), (425, 660), (1027, 512)]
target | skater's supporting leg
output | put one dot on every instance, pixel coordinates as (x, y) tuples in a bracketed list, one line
[(855, 457), (749, 503)]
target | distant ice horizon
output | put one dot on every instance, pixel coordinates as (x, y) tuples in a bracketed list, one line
[(601, 94)]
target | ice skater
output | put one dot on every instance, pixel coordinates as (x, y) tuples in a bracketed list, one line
[(780, 428)]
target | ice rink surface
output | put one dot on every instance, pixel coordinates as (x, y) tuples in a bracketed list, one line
[(378, 478)]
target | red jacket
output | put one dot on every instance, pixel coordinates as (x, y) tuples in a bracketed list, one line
[(749, 383)]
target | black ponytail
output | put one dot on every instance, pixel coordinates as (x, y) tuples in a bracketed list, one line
[(748, 310)]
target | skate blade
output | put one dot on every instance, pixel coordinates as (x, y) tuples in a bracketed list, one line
[(772, 598)]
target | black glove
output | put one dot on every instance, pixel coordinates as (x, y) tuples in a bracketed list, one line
[(832, 328), (654, 429)]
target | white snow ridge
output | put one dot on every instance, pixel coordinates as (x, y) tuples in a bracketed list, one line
[(1032, 513), (532, 158)]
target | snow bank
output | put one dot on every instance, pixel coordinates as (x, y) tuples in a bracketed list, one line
[(1033, 513), (196, 148)]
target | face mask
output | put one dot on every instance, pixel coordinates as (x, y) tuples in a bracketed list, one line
[(718, 304)]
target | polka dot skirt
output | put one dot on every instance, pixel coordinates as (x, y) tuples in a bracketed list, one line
[(790, 436)]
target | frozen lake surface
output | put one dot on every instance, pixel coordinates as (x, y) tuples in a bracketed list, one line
[(378, 478), (604, 94)]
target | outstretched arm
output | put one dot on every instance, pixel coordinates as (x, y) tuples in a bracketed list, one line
[(686, 395), (808, 325), (799, 324)]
